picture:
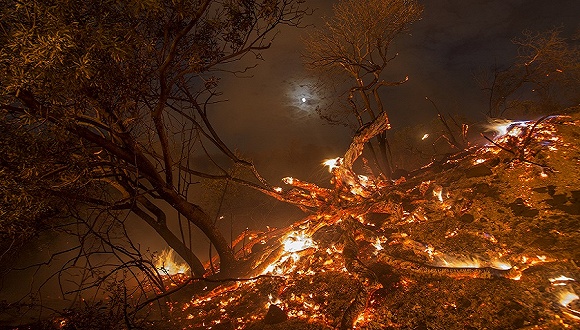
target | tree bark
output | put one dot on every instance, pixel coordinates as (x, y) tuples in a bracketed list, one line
[(200, 219), (177, 245)]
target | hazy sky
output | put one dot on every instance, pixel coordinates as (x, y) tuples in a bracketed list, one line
[(266, 119)]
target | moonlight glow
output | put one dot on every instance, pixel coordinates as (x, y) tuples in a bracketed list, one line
[(301, 95)]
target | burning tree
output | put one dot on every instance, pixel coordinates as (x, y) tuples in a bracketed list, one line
[(356, 42)]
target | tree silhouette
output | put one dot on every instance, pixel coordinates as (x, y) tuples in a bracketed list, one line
[(356, 43), (544, 77), (130, 86)]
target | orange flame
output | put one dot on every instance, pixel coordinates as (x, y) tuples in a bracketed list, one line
[(168, 266), (566, 297), (561, 280), (504, 126), (332, 163), (467, 262), (296, 242)]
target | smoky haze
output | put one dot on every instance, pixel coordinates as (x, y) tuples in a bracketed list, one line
[(271, 118), (265, 114)]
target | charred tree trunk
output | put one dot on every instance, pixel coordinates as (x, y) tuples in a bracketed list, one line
[(177, 245), (198, 217)]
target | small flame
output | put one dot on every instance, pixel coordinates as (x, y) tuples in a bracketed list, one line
[(502, 126), (293, 243), (364, 180), (466, 262), (167, 265), (332, 163), (567, 297), (288, 180), (272, 301), (458, 262), (425, 136), (498, 264), (360, 320), (438, 192), (296, 242), (516, 277), (377, 244), (542, 258), (561, 280)]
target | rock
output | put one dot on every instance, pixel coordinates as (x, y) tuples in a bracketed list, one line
[(463, 303), (275, 315), (478, 170), (520, 209), (557, 200), (466, 218)]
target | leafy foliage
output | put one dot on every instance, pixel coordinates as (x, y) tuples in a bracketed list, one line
[(106, 105), (35, 167)]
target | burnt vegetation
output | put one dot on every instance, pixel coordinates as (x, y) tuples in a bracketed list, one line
[(105, 118)]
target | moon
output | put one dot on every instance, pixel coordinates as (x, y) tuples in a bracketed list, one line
[(301, 98)]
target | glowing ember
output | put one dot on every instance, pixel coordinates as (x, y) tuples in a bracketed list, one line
[(465, 262), (167, 265), (356, 247), (332, 163), (272, 301), (497, 264), (377, 244), (360, 320), (516, 277), (451, 262), (502, 126), (425, 136), (438, 192), (364, 180), (296, 242), (567, 297), (561, 280)]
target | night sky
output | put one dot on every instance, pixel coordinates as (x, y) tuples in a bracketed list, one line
[(266, 117), (266, 120)]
